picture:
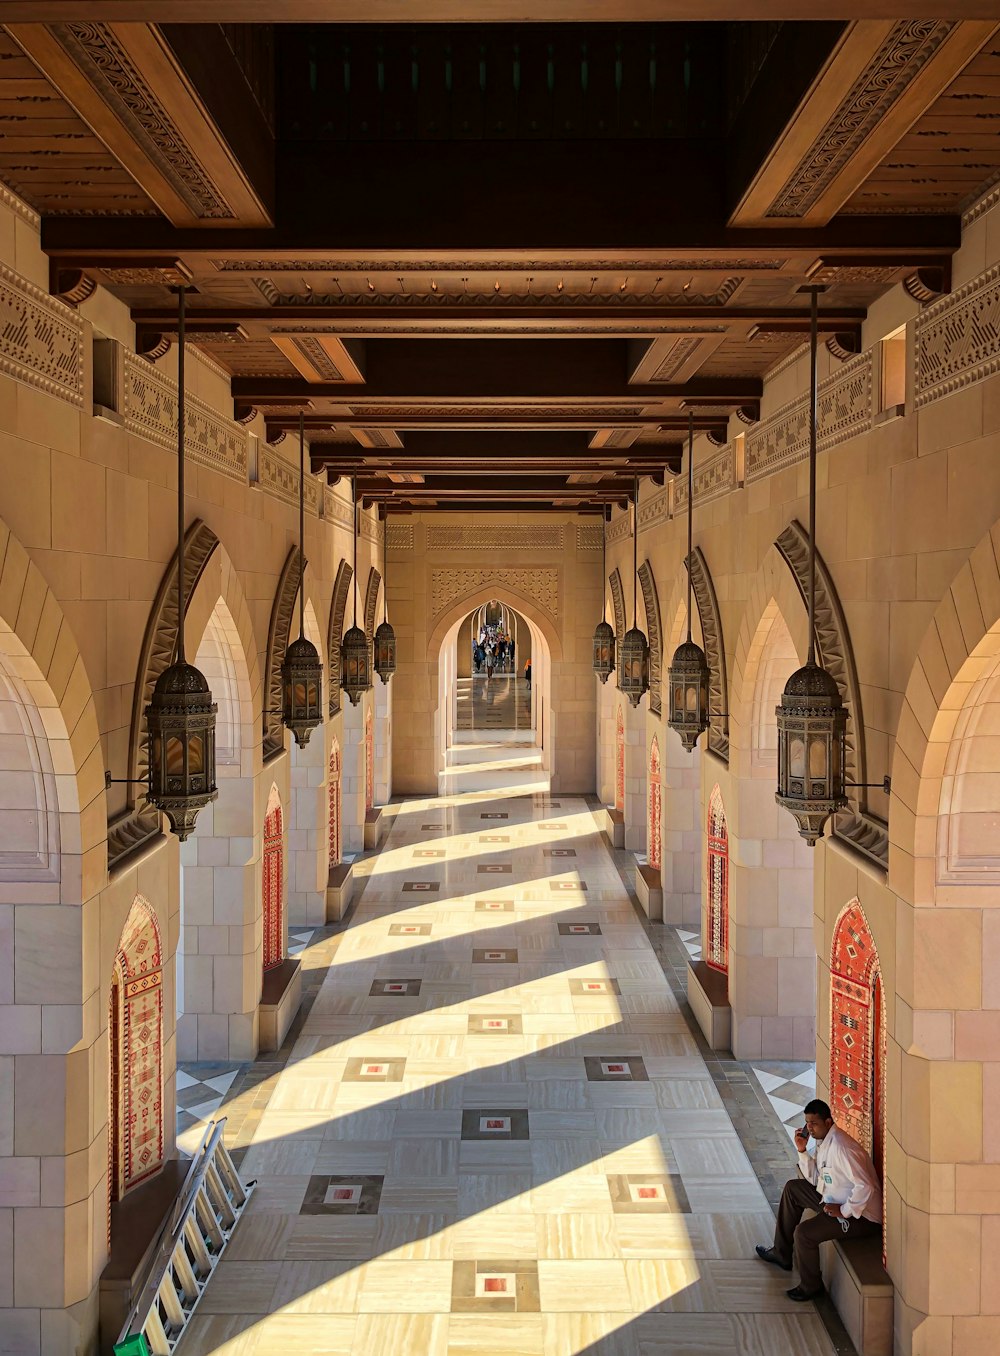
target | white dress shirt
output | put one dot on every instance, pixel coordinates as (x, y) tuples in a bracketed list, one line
[(843, 1174)]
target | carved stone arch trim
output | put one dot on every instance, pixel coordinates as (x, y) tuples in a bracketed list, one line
[(277, 643), (651, 602), (335, 634), (141, 821), (856, 825), (715, 652), (618, 599), (371, 602)]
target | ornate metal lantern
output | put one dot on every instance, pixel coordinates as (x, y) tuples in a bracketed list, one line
[(604, 650), (688, 676), (385, 636), (604, 635), (180, 717), (633, 652), (301, 668), (356, 670), (812, 721)]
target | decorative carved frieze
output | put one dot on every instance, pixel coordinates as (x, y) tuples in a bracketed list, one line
[(712, 479), (41, 339), (284, 264), (277, 644), (335, 632), (541, 586), (715, 652), (500, 537), (655, 509), (589, 536), (619, 528), (371, 602), (845, 410), (856, 825), (399, 536), (885, 79), (618, 602), (149, 407), (335, 510), (958, 339), (141, 822), (281, 478), (651, 603), (370, 529)]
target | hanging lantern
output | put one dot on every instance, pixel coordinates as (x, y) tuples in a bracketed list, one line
[(688, 676), (302, 668), (301, 690), (812, 732), (687, 681), (633, 652), (812, 720), (385, 651), (356, 656), (180, 717), (604, 650)]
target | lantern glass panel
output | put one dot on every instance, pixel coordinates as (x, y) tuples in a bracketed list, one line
[(797, 758), (196, 751), (817, 756)]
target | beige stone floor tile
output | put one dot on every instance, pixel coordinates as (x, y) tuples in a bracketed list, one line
[(375, 1124), (221, 1334), (713, 1156), (762, 1334), (401, 1334), (324, 1286), (496, 1335), (504, 1193), (585, 1193), (280, 1157), (313, 1238), (594, 1334), (552, 1158), (652, 1153), (281, 1194), (584, 1286), (416, 1238), (482, 1156), (665, 1237), (406, 1287), (261, 1236), (420, 1195), (344, 1155), (425, 1157), (500, 1235), (241, 1288), (576, 1236), (679, 1334), (676, 1283), (317, 1334), (561, 1124)]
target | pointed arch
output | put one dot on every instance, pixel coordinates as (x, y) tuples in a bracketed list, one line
[(857, 1031), (654, 836), (335, 632), (136, 1037), (651, 603), (273, 882), (371, 602), (715, 652), (618, 601), (717, 928), (140, 821), (277, 643)]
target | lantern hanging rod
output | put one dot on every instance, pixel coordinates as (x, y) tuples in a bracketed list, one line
[(690, 516), (181, 346), (354, 575), (635, 554), (385, 569), (302, 526), (813, 421), (884, 785)]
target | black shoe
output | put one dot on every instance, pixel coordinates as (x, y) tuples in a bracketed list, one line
[(769, 1255), (800, 1296)]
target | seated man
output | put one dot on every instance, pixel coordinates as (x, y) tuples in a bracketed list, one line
[(838, 1180)]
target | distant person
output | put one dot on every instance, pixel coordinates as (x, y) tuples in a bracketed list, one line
[(838, 1180), (527, 673)]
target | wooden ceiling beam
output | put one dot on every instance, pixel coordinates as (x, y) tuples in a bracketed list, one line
[(164, 319)]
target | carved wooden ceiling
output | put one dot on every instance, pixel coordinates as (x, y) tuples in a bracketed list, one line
[(497, 264)]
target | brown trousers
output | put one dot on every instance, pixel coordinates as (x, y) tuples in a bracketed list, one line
[(798, 1241)]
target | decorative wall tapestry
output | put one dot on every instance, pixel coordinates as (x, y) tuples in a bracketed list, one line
[(620, 762), (137, 1052), (274, 883), (857, 1031), (335, 803), (369, 761), (655, 836), (717, 932)]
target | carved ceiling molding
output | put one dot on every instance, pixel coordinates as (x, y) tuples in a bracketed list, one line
[(277, 643), (446, 300), (958, 339), (541, 586), (346, 264), (149, 407), (41, 339), (399, 537), (984, 203), (593, 414), (371, 602), (108, 67), (618, 602), (885, 79), (712, 479), (845, 410), (715, 651), (10, 200), (141, 822), (500, 537), (856, 825), (651, 603), (335, 633)]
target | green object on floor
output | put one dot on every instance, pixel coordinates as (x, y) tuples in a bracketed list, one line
[(132, 1346)]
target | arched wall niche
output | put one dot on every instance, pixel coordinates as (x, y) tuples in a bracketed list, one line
[(136, 1141)]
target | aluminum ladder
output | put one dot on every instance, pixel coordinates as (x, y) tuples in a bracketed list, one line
[(193, 1238)]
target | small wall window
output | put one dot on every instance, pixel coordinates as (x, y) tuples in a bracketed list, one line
[(107, 379), (892, 396)]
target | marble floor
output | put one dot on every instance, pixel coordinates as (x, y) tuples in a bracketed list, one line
[(494, 1133)]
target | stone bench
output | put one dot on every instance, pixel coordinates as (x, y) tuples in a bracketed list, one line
[(339, 891), (135, 1225), (374, 828), (649, 889), (708, 994), (614, 827), (280, 997), (861, 1291)]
